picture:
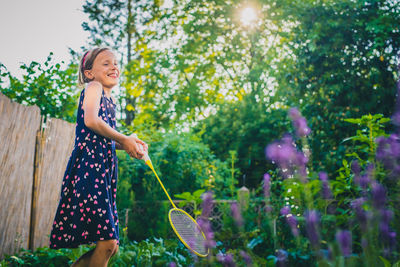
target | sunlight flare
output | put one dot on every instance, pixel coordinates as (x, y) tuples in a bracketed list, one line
[(248, 16)]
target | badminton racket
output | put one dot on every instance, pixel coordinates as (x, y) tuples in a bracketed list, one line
[(184, 226)]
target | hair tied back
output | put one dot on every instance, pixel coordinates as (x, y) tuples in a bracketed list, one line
[(84, 58)]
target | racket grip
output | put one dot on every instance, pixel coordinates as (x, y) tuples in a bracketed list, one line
[(145, 157)]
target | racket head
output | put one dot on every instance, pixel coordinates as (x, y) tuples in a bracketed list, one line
[(188, 231)]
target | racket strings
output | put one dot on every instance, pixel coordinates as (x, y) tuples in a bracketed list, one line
[(189, 231)]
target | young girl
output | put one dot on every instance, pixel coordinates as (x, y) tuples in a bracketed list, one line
[(87, 211)]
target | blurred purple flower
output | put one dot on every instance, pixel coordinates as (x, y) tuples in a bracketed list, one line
[(396, 118), (267, 185), (246, 258), (291, 220), (236, 214), (326, 191), (363, 181), (205, 226), (344, 240), (355, 167), (203, 220), (172, 264), (226, 260), (386, 215), (378, 195), (388, 152), (387, 236), (361, 214), (285, 210), (364, 242), (207, 204), (268, 209), (299, 122), (281, 258), (287, 157), (312, 229)]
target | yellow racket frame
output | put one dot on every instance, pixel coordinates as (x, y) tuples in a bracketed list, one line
[(180, 238), (150, 164)]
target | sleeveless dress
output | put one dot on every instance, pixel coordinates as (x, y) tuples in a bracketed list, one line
[(87, 210)]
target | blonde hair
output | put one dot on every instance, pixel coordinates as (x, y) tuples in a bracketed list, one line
[(86, 63)]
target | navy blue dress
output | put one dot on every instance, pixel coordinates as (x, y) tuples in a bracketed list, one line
[(87, 210)]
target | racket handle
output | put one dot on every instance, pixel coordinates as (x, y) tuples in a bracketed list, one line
[(145, 157)]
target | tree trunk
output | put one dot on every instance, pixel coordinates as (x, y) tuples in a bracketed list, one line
[(130, 114)]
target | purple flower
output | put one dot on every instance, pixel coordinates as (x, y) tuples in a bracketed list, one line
[(205, 226), (312, 229), (361, 214), (386, 235), (281, 257), (226, 260), (388, 152), (378, 195), (203, 220), (207, 204), (363, 181), (267, 185), (355, 167), (396, 116), (287, 157), (236, 214), (386, 215), (246, 258), (299, 122), (285, 210), (291, 220), (172, 264), (326, 191), (344, 240), (364, 242)]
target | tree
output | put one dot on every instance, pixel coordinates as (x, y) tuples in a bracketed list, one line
[(194, 55), (118, 24), (341, 65)]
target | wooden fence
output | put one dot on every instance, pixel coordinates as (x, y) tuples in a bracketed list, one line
[(33, 158)]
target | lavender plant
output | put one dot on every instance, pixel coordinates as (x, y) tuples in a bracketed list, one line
[(365, 235)]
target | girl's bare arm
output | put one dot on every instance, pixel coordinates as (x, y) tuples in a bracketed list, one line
[(118, 146), (91, 106)]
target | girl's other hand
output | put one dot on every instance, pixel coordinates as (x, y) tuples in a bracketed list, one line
[(131, 147)]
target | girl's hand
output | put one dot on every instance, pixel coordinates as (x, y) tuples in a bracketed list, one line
[(144, 145), (131, 147)]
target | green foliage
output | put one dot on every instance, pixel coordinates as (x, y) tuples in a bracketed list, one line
[(44, 256), (362, 150), (372, 127), (341, 63), (183, 163), (246, 129), (47, 85), (194, 198), (154, 252)]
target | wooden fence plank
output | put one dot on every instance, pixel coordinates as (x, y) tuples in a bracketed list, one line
[(18, 127), (57, 146)]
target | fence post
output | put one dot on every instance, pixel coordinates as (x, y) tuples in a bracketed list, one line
[(243, 198), (35, 184)]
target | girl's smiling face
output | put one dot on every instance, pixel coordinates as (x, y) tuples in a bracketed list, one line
[(105, 69)]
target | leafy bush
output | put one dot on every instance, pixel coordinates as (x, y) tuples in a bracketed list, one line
[(53, 89), (183, 163), (154, 252)]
